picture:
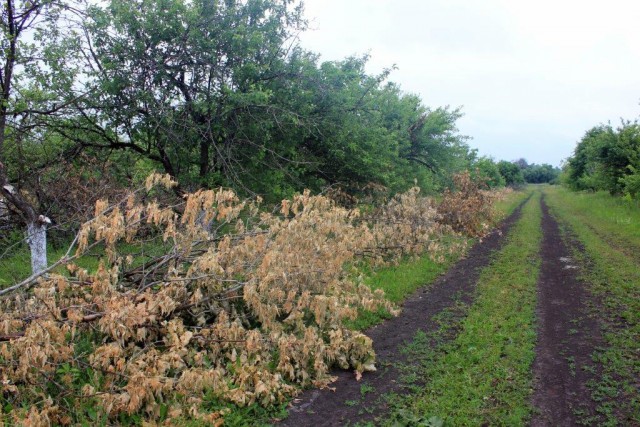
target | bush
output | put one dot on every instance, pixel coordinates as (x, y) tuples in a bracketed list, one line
[(631, 183), (469, 208)]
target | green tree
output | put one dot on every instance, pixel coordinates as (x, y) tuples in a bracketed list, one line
[(605, 159), (219, 93), (32, 77), (366, 130), (511, 173), (538, 174), (186, 84), (488, 170), (346, 140)]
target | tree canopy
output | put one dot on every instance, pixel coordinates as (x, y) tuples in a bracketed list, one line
[(511, 172), (97, 95), (607, 158), (216, 93)]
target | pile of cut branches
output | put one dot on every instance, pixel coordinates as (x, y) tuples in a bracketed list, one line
[(216, 296)]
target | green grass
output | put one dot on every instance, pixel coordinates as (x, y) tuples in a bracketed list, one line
[(483, 377), (614, 219), (14, 268), (612, 269), (17, 266), (421, 353), (398, 282), (505, 207)]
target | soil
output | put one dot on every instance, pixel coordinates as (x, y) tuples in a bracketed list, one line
[(568, 334), (350, 401)]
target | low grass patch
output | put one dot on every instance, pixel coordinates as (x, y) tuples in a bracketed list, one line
[(17, 266), (613, 271), (507, 205), (14, 267), (483, 377), (421, 353), (400, 281)]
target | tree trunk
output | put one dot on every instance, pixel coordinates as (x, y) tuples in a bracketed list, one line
[(37, 239), (36, 224)]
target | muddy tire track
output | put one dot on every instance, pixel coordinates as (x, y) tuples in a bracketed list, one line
[(568, 335)]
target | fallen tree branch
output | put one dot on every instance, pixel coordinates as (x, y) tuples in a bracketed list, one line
[(11, 337)]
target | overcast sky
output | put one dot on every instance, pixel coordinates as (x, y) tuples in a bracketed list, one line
[(531, 76)]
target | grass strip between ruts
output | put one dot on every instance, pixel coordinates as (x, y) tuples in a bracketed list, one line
[(612, 271), (484, 376)]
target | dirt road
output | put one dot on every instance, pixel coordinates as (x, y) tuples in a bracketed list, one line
[(567, 331)]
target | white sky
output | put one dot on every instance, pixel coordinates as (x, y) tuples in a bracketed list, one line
[(532, 76)]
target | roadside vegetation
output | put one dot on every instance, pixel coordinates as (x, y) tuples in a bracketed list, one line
[(243, 309), (615, 219), (401, 280), (608, 159), (506, 205)]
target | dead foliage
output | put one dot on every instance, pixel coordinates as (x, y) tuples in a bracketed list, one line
[(242, 304), (468, 208)]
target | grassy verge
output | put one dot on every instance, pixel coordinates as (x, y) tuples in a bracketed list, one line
[(483, 377), (400, 281), (613, 271), (614, 219), (507, 205), (17, 266)]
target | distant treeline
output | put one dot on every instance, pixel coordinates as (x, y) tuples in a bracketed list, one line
[(607, 158), (516, 173)]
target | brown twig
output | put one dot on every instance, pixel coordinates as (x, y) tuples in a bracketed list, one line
[(11, 337)]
